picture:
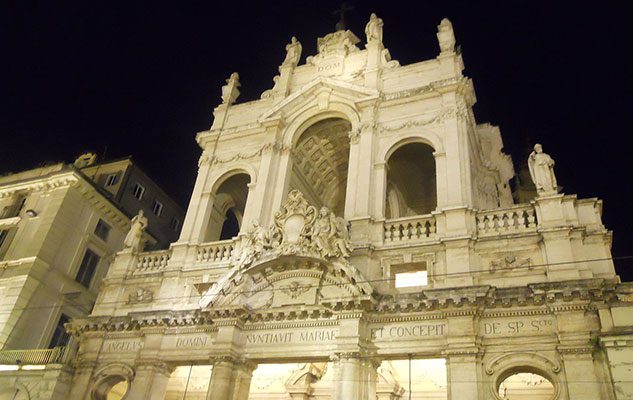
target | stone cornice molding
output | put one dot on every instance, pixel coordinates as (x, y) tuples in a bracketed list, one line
[(461, 84)]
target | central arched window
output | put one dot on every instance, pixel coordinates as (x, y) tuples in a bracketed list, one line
[(229, 204), (320, 163), (411, 183)]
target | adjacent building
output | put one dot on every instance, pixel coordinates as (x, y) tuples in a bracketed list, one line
[(60, 226)]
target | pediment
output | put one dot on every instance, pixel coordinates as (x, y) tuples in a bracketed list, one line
[(289, 281), (319, 90)]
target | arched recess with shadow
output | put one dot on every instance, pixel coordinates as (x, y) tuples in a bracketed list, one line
[(321, 162), (229, 204), (411, 181)]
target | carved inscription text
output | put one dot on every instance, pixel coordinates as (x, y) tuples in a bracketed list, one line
[(518, 327), (408, 331), (291, 337)]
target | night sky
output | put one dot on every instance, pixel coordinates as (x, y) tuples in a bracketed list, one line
[(141, 78)]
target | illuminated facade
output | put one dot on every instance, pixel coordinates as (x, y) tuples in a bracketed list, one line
[(377, 231)]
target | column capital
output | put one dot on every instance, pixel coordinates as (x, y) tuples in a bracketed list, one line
[(154, 365)]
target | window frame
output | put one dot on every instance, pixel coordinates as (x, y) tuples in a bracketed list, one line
[(59, 332), (111, 179), (160, 208), (136, 188), (81, 272), (102, 224)]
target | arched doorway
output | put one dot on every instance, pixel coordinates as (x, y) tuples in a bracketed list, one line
[(320, 164), (411, 182), (228, 208)]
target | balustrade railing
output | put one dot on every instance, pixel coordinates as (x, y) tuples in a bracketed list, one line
[(419, 227), (56, 355), (517, 219), (154, 261), (215, 251)]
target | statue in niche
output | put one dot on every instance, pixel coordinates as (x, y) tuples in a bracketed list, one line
[(541, 167), (134, 238), (328, 236), (293, 52), (446, 36), (373, 29)]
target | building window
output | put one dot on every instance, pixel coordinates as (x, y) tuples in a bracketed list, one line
[(174, 224), (138, 190), (14, 209), (87, 268), (409, 275), (60, 336), (409, 279), (102, 230), (111, 179), (157, 208)]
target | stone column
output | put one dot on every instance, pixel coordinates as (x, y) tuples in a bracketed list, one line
[(230, 379), (150, 381), (463, 375), (197, 211), (580, 374), (356, 377)]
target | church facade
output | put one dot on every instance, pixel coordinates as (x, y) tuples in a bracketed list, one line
[(376, 224)]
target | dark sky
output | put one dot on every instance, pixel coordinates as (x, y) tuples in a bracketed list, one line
[(141, 78)]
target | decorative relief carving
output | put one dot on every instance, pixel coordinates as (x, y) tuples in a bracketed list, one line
[(248, 155), (140, 295), (295, 289), (297, 229), (509, 262), (441, 116)]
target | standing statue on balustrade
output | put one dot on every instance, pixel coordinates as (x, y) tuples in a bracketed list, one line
[(134, 238), (541, 167)]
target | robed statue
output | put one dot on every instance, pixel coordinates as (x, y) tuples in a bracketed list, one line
[(293, 52), (541, 167), (134, 238), (373, 29)]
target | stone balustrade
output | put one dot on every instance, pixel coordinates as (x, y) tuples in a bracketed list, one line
[(56, 355), (215, 251), (155, 261), (517, 219), (419, 227)]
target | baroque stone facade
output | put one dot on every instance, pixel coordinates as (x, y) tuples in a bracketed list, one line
[(351, 171)]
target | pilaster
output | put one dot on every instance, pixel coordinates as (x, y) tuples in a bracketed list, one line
[(230, 379), (150, 381)]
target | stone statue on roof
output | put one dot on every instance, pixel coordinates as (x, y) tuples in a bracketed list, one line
[(446, 36), (373, 29), (293, 52)]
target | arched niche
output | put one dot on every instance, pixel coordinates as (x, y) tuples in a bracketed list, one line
[(411, 181), (229, 203), (321, 162), (515, 368), (112, 382)]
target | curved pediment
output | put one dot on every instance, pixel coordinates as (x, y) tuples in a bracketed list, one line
[(289, 280), (300, 259), (321, 90)]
